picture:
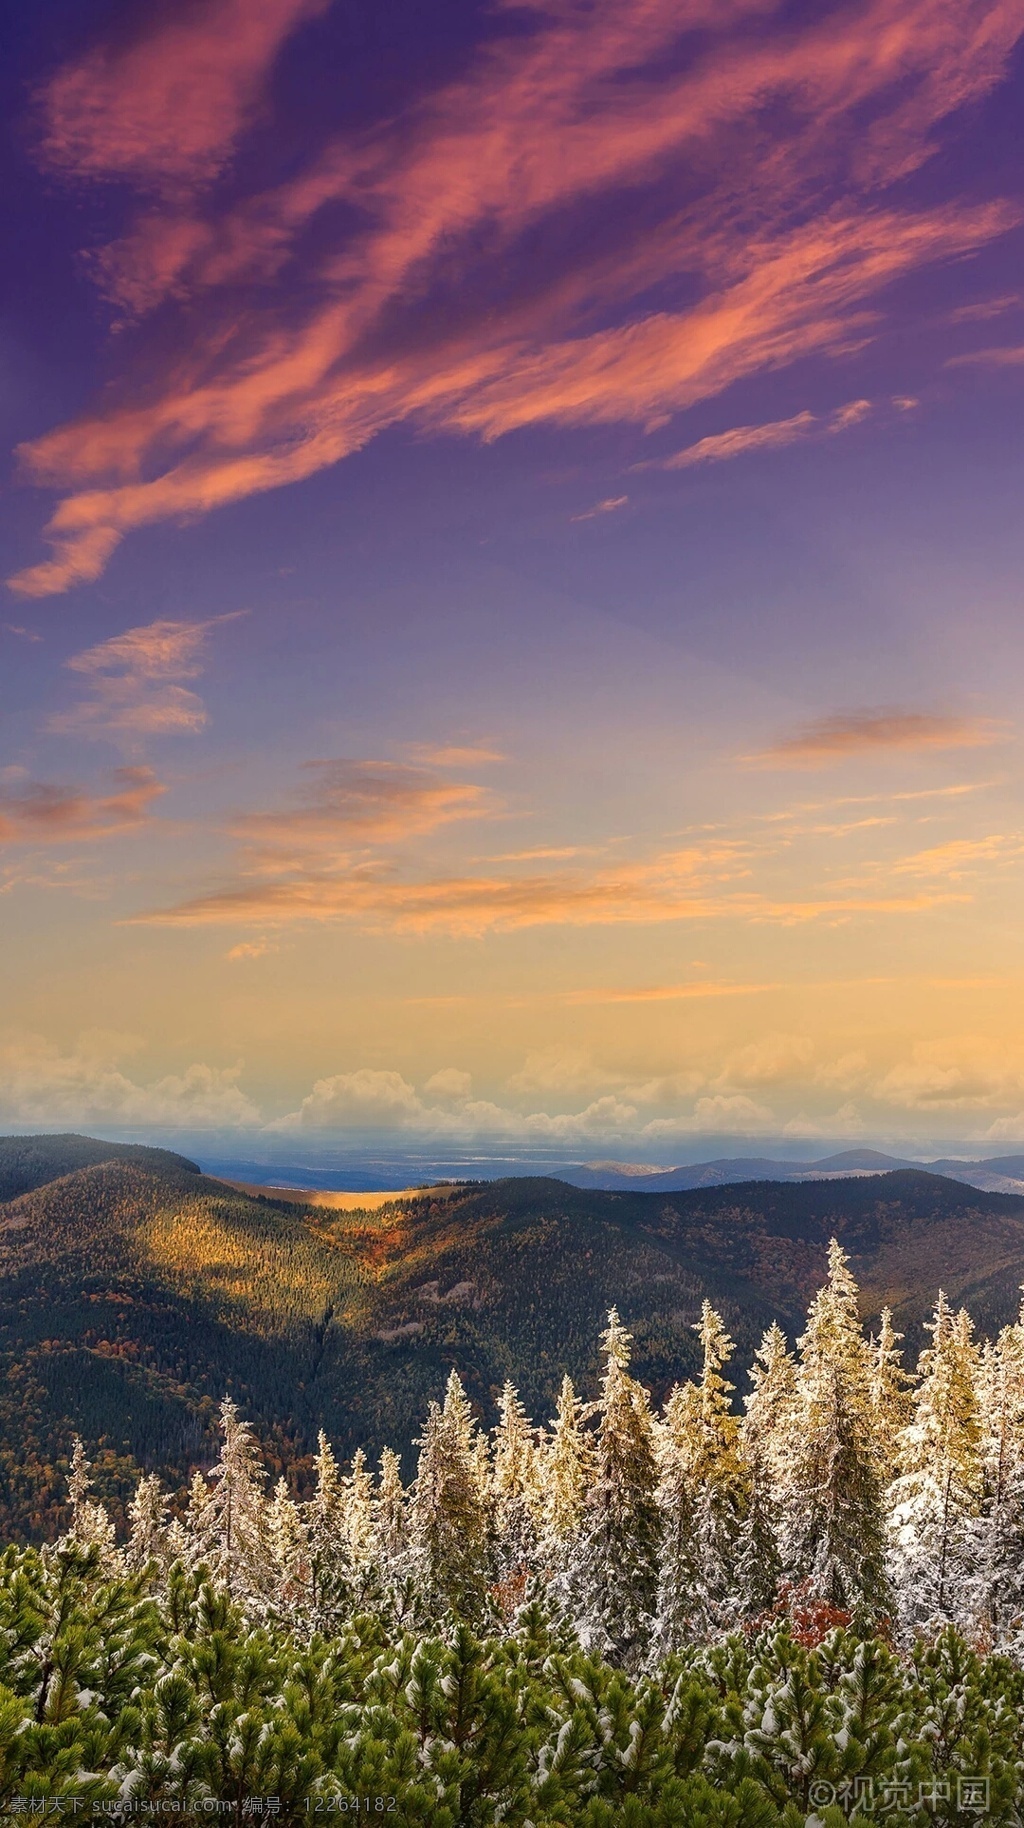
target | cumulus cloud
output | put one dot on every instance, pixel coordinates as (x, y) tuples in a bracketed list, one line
[(589, 103), (846, 734), (450, 1084), (133, 678), (721, 1113), (41, 1084), (771, 1060), (957, 1073), (40, 812), (375, 1099)]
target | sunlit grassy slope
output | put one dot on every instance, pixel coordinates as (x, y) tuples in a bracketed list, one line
[(134, 1293)]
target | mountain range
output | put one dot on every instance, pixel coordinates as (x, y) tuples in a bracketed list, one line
[(135, 1291), (999, 1174)]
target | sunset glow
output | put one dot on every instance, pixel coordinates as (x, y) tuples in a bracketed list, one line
[(514, 559)]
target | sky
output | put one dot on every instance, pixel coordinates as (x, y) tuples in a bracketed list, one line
[(513, 546)]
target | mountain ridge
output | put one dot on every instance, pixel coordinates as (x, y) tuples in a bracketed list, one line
[(133, 1296)]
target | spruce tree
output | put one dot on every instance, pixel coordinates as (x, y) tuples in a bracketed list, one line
[(147, 1524), (568, 1472), (90, 1524), (288, 1549), (708, 1436), (390, 1519), (515, 1486), (891, 1402), (358, 1501), (768, 1428), (680, 1609), (936, 1499), (448, 1513), (236, 1515), (834, 1535), (614, 1568), (999, 1534), (325, 1518)]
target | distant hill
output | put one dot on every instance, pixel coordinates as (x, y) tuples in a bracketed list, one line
[(134, 1292), (30, 1161), (997, 1174)]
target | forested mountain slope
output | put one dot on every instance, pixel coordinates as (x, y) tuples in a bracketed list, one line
[(31, 1161), (134, 1294)]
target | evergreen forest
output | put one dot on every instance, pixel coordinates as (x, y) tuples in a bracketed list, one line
[(799, 1608)]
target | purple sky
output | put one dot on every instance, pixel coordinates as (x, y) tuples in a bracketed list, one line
[(514, 559)]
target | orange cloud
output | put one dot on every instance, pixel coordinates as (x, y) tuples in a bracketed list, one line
[(132, 679), (835, 739), (683, 885), (41, 813), (742, 438), (592, 102), (456, 755), (166, 108), (960, 855), (353, 804), (1012, 357), (667, 993)]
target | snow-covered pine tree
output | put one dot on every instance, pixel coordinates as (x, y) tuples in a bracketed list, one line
[(450, 1528), (613, 1572), (935, 1501), (288, 1549), (192, 1539), (90, 1524), (1000, 1533), (680, 1613), (236, 1516), (707, 1436), (769, 1424), (834, 1536), (516, 1486), (358, 1491), (147, 1524), (568, 1469), (891, 1402), (390, 1520), (329, 1598)]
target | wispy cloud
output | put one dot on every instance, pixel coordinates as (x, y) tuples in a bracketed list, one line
[(165, 108), (41, 813), (1006, 357), (675, 886), (722, 446), (984, 308), (834, 739), (347, 805), (133, 682), (456, 755), (667, 993), (25, 634), (603, 507), (592, 102), (962, 856)]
